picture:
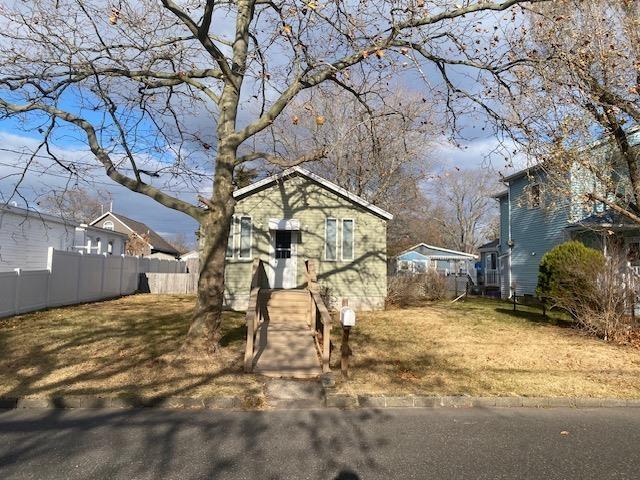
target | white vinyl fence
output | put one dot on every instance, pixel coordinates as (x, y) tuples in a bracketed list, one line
[(73, 277)]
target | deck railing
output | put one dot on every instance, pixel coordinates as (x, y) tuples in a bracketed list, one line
[(319, 317), (491, 278), (254, 312)]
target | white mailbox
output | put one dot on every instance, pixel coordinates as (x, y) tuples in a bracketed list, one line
[(347, 317)]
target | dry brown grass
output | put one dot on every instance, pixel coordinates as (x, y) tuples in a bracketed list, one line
[(115, 348), (483, 348)]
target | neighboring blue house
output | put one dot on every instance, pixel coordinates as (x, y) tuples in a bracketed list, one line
[(421, 257), (532, 223)]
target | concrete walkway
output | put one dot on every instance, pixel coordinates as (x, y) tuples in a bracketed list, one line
[(285, 345)]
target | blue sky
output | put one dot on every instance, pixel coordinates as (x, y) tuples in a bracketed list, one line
[(18, 140)]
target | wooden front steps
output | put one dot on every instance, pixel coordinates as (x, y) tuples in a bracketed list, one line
[(285, 344)]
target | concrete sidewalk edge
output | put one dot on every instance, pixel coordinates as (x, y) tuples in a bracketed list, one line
[(341, 400), (331, 400)]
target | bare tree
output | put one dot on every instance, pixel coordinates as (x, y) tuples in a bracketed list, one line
[(137, 245), (418, 222), (582, 84), (468, 209), (169, 94), (182, 243), (76, 204), (378, 150)]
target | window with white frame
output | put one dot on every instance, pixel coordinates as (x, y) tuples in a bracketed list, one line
[(108, 225), (230, 241), (331, 239), (110, 247), (347, 239), (244, 249)]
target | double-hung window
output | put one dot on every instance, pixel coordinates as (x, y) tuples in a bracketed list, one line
[(331, 239), (347, 239), (231, 241), (240, 238), (535, 196), (244, 249)]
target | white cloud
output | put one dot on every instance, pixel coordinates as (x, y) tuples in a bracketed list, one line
[(491, 152), (44, 176)]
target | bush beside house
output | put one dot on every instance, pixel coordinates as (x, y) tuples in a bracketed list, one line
[(598, 292)]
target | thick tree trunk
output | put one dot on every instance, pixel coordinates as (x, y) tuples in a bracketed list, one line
[(204, 332)]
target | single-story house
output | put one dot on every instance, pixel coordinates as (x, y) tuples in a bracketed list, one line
[(295, 216), (26, 235), (149, 244), (422, 257)]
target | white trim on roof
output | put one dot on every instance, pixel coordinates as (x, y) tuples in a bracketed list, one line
[(32, 213), (316, 178), (101, 217), (455, 252)]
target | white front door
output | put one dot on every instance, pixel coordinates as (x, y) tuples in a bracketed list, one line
[(283, 259)]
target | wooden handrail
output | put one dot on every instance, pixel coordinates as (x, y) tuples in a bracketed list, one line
[(318, 307), (254, 314)]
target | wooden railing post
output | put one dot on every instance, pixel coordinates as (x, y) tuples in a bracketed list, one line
[(253, 315), (326, 347)]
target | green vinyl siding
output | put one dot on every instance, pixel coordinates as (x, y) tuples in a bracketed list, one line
[(362, 280)]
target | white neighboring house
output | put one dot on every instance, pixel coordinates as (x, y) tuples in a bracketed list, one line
[(191, 255), (155, 245), (26, 235), (422, 257)]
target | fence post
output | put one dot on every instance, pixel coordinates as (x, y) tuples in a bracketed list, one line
[(16, 296), (104, 269), (122, 260), (78, 279), (50, 268)]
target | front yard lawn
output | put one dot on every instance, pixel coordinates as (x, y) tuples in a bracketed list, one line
[(481, 347), (114, 348)]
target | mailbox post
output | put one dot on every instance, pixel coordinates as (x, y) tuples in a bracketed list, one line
[(347, 320)]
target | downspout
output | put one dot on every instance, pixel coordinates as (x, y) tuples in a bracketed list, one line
[(510, 242)]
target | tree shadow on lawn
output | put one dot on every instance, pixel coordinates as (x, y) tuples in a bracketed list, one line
[(120, 351), (557, 318), (155, 443)]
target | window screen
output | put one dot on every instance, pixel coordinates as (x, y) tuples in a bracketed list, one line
[(245, 237), (347, 239), (331, 239), (231, 238)]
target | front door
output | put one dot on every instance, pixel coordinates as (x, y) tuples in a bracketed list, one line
[(283, 259)]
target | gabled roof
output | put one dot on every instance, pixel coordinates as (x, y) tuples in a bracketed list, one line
[(249, 189), (432, 247), (631, 132), (521, 173), (156, 242), (490, 245), (48, 217), (500, 194)]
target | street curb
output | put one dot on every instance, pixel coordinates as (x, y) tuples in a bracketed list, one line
[(331, 400), (95, 402), (345, 400)]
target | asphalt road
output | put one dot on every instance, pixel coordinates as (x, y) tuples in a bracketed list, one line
[(320, 444)]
